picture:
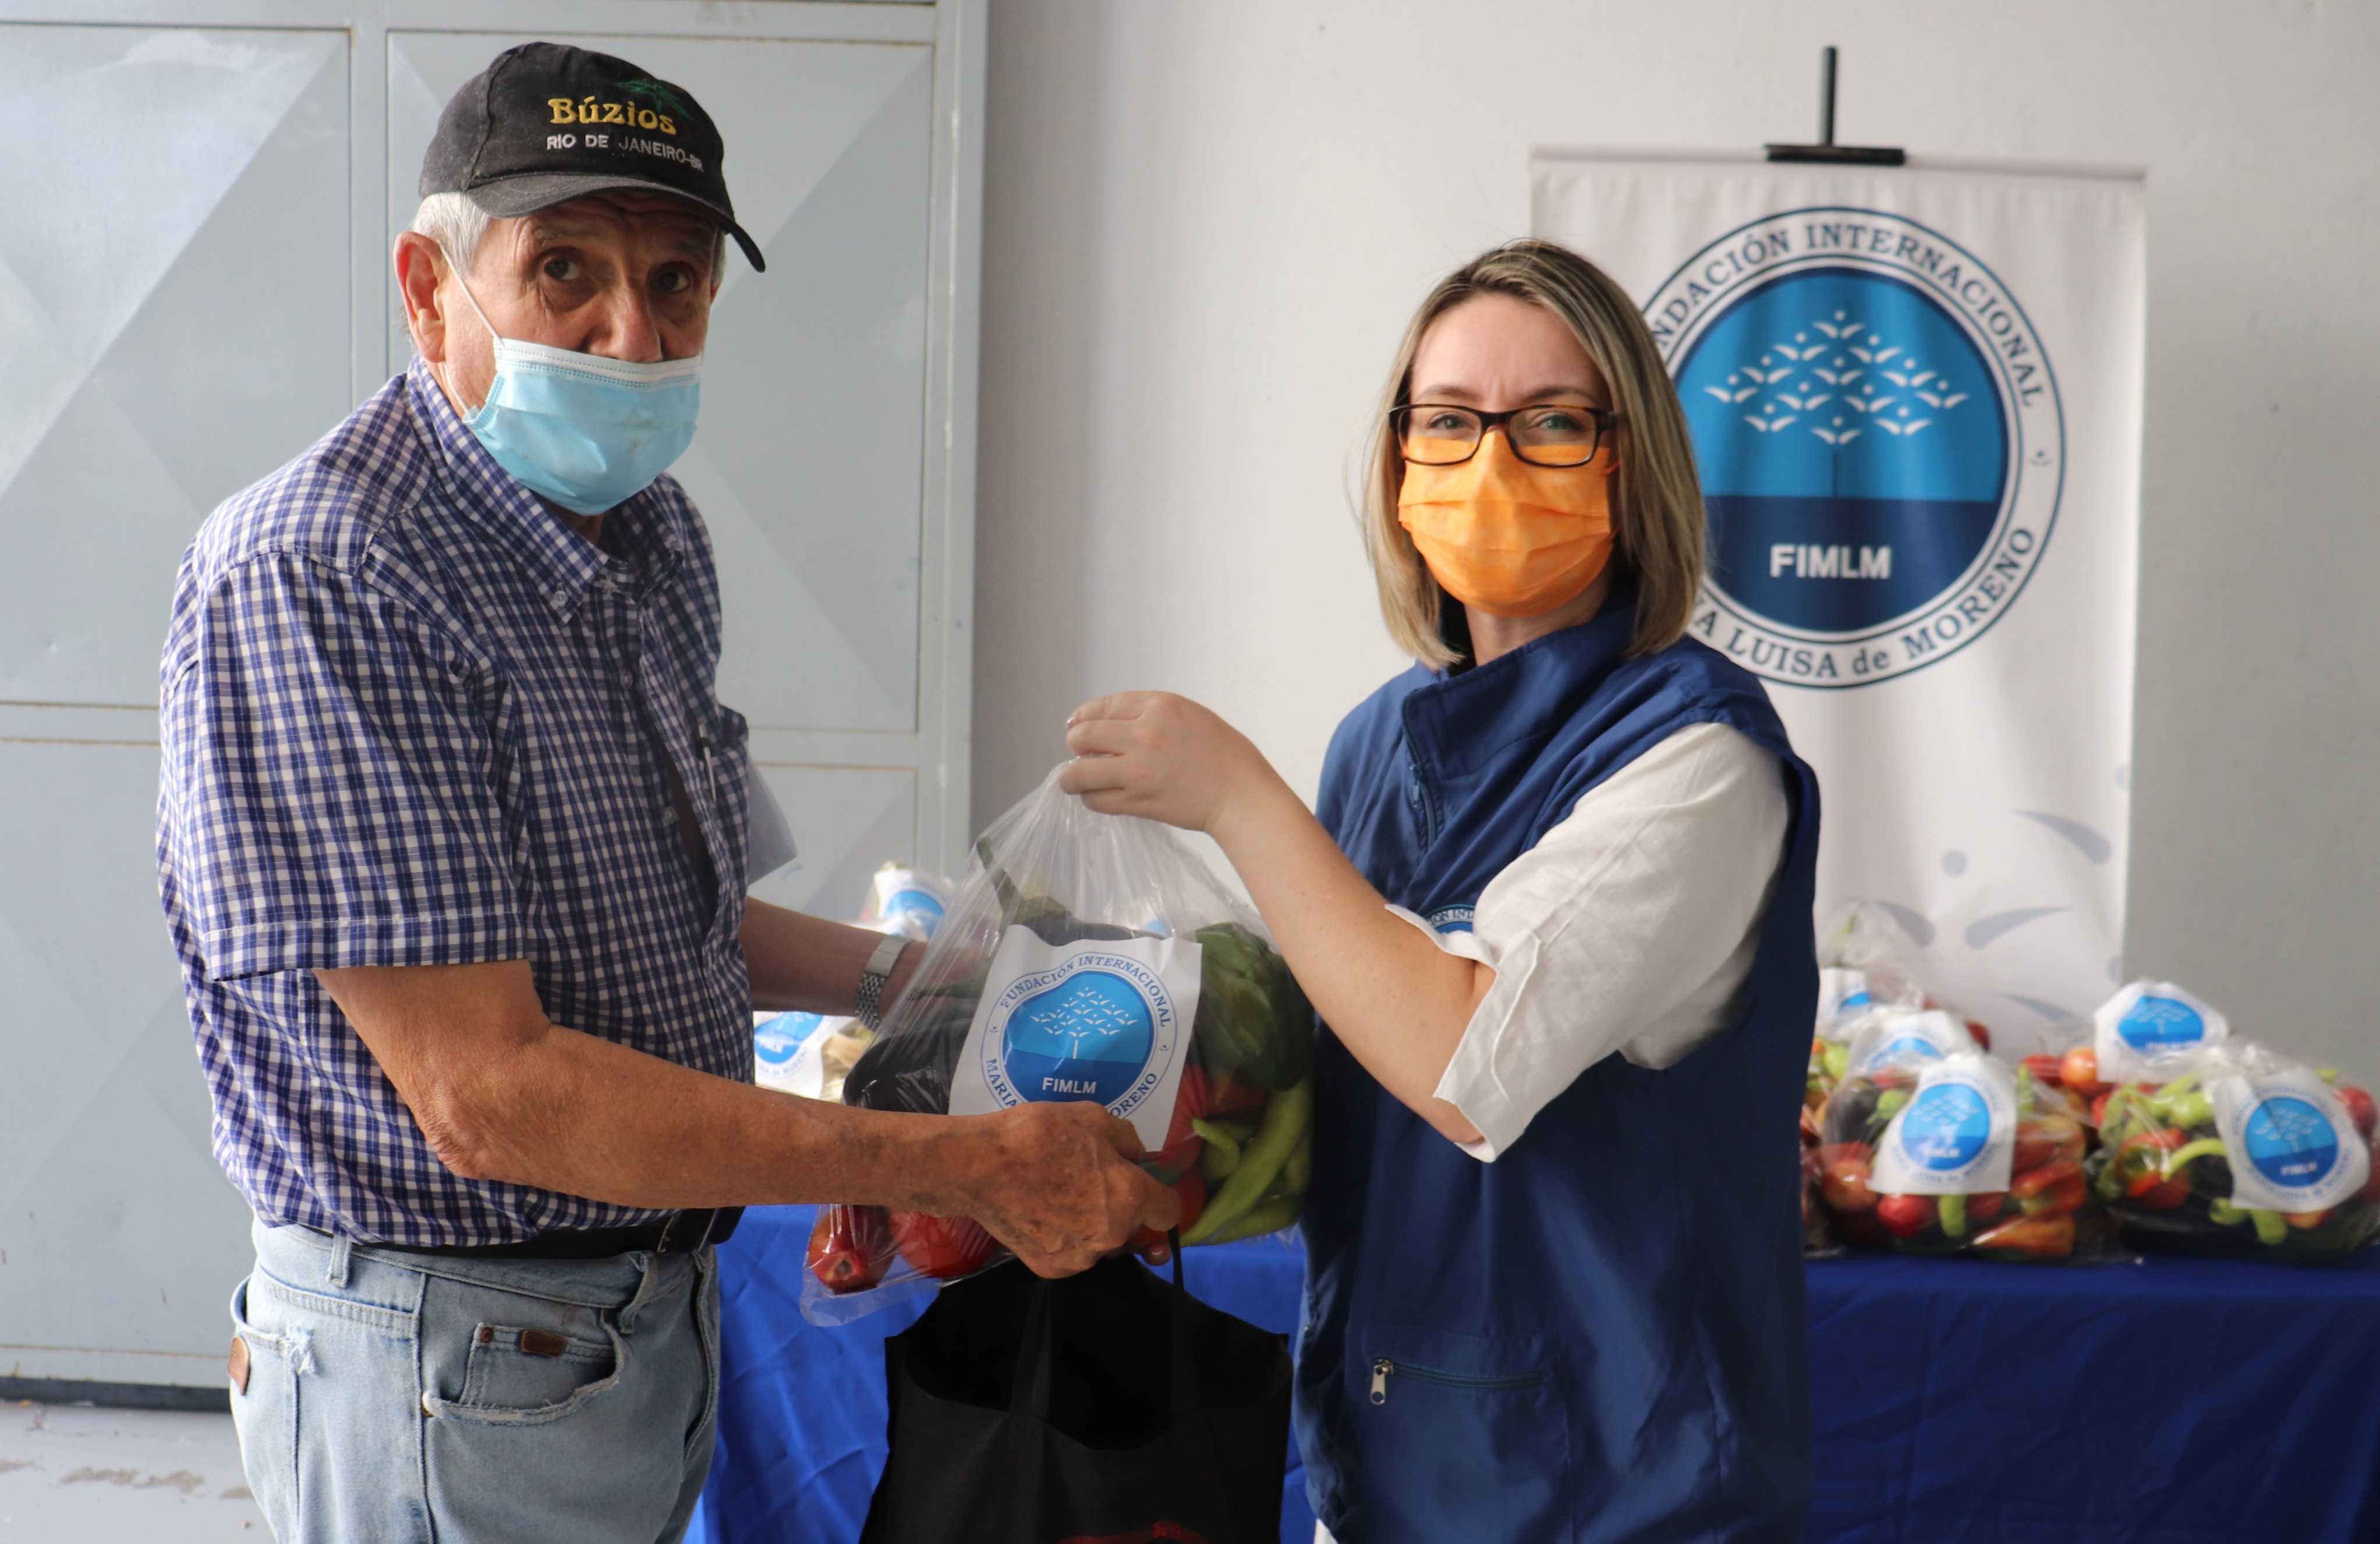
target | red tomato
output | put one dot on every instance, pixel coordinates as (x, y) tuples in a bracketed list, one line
[(1194, 1102), (1844, 1185), (2359, 1108), (2045, 1069), (1905, 1216), (1985, 1207), (2079, 1072), (849, 1247), (945, 1247), (2045, 1139)]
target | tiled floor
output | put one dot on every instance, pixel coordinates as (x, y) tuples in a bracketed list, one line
[(73, 1474)]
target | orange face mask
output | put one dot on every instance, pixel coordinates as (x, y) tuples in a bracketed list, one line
[(1511, 539)]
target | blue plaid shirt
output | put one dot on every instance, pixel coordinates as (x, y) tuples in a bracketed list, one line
[(411, 717)]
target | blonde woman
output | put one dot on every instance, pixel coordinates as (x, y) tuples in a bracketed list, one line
[(1555, 918)]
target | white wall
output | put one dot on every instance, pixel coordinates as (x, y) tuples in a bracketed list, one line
[(1205, 224)]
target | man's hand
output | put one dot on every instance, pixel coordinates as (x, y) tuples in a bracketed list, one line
[(502, 1094), (1059, 1184)]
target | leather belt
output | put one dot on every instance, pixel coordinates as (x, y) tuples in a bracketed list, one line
[(681, 1232)]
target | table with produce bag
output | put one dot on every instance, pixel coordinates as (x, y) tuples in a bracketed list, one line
[(1089, 957), (2114, 1290), (2175, 1399)]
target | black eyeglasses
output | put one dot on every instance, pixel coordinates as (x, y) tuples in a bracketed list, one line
[(1548, 434)]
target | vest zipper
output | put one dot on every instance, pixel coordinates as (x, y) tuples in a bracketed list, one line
[(1384, 1369), (1424, 800)]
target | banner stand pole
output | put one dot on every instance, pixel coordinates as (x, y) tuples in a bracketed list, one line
[(1826, 149)]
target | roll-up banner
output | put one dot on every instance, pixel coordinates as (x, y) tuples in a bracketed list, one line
[(1915, 399)]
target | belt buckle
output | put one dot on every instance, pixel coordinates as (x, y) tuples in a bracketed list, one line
[(709, 1216)]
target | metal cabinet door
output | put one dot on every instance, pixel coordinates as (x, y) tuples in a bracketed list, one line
[(174, 324)]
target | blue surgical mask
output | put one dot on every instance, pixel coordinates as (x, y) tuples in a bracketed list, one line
[(588, 432)]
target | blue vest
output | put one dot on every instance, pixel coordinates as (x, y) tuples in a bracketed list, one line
[(1601, 1335)]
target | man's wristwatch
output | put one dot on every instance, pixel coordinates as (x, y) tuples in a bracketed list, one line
[(869, 1007)]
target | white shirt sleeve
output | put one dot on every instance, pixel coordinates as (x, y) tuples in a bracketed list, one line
[(1630, 927)]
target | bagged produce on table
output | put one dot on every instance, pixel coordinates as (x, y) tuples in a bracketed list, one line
[(1865, 959), (906, 901), (1892, 1033), (1828, 1059), (1090, 957), (1955, 1154), (2145, 1023), (1867, 974), (809, 1055), (2235, 1151), (1818, 1241), (1904, 1038)]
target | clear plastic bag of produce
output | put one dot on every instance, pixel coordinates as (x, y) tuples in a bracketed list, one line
[(809, 1055), (906, 901), (1818, 1241), (1865, 960), (1954, 1153), (1089, 957), (2236, 1151)]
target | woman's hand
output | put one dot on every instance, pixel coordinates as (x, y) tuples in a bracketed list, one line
[(1163, 758), (1393, 997)]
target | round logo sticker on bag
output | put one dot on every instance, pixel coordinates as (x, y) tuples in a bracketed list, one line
[(1945, 1128), (927, 909), (1880, 440), (2154, 1024), (2290, 1141), (1099, 1027), (781, 1038)]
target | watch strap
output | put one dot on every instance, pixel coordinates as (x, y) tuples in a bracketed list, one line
[(868, 1007)]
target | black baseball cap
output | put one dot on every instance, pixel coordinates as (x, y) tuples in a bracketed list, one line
[(546, 123)]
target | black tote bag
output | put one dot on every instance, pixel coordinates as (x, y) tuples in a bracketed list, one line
[(1107, 1408)]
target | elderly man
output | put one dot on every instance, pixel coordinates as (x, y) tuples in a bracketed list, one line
[(453, 844)]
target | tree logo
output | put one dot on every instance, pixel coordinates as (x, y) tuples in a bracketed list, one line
[(1945, 1128), (1879, 437), (2290, 1142), (1098, 1025)]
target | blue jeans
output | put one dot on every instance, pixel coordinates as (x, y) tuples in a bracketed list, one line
[(413, 1398)]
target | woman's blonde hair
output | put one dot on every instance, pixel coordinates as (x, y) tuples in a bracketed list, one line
[(1656, 502)]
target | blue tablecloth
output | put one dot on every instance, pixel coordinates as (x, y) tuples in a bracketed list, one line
[(1956, 1402), (2180, 1400)]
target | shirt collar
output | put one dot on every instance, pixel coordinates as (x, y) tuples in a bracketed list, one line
[(1459, 722), (558, 560)]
